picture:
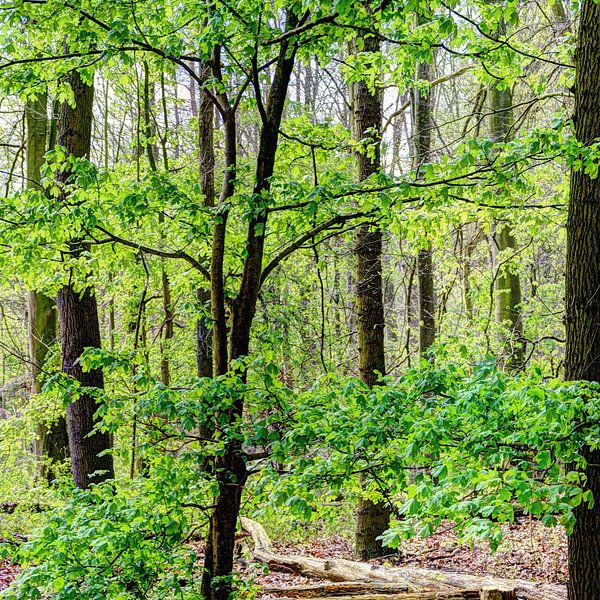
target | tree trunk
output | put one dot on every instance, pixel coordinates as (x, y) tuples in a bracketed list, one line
[(230, 466), (372, 518), (508, 294), (78, 313), (426, 300), (51, 445), (422, 126), (582, 316), (207, 185), (507, 283)]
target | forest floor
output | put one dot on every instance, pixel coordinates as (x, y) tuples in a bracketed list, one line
[(529, 551), (8, 572)]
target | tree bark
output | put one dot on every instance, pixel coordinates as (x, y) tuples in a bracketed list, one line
[(91, 460), (582, 318), (422, 124), (204, 332), (507, 283), (372, 518), (51, 444)]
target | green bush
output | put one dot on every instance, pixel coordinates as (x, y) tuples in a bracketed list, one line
[(110, 543)]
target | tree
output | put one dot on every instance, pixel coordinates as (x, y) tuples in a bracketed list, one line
[(422, 106), (285, 198), (372, 517), (52, 442), (507, 283), (79, 327), (206, 117), (230, 466), (582, 311)]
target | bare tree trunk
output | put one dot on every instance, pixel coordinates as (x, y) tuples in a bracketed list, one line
[(78, 313), (372, 518), (582, 317)]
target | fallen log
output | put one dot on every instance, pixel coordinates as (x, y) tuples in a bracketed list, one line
[(416, 579), (344, 588), (457, 595), (372, 591)]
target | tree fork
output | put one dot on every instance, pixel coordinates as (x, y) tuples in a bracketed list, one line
[(231, 466)]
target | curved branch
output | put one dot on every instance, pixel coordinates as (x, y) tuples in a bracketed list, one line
[(179, 254), (299, 242)]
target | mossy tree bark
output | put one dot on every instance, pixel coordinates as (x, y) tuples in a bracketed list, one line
[(51, 445), (507, 283)]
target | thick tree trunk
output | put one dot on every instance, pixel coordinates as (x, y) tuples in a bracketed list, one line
[(78, 314), (372, 518), (79, 329), (51, 445), (422, 126), (582, 317), (507, 283)]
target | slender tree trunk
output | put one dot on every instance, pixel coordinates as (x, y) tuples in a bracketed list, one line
[(213, 562), (372, 518), (467, 256), (582, 302), (51, 445), (563, 22), (230, 466), (507, 284), (426, 300), (167, 332), (423, 124), (36, 117), (78, 313), (169, 315), (207, 184)]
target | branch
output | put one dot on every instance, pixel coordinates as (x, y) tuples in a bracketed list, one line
[(180, 254), (299, 242), (301, 29), (36, 59), (504, 42), (433, 83)]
